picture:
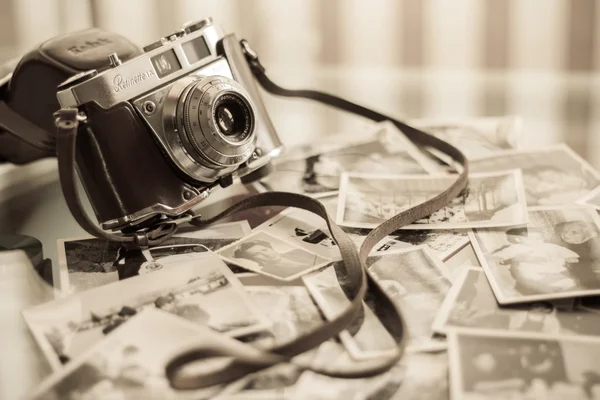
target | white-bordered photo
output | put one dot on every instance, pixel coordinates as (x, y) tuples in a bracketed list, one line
[(519, 365), (417, 282), (88, 262), (130, 363), (557, 255), (491, 199), (553, 175), (476, 137), (471, 304), (318, 174), (591, 199), (200, 288), (306, 229), (366, 337), (272, 256)]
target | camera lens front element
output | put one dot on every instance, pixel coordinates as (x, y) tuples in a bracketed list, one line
[(216, 122), (233, 117)]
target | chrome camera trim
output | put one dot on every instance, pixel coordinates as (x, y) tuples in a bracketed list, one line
[(137, 76)]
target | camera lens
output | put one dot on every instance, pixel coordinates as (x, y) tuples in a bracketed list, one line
[(233, 117), (212, 120)]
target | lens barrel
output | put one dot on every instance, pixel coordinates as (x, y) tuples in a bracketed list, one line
[(215, 122)]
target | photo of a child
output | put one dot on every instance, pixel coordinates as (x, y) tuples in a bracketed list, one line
[(557, 255), (537, 266)]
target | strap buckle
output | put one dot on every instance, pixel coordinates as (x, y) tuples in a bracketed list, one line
[(252, 57)]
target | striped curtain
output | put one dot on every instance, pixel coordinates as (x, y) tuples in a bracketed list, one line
[(357, 47), (547, 35)]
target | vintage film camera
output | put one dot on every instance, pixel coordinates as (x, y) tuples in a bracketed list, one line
[(161, 127)]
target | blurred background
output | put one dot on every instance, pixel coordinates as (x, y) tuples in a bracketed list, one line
[(410, 58)]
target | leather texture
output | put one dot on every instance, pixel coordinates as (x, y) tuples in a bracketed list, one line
[(122, 167), (88, 49), (31, 92)]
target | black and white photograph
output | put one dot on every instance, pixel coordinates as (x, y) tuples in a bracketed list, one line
[(471, 304), (289, 309), (557, 255), (418, 376), (366, 337), (491, 199), (272, 256), (307, 230), (507, 365), (204, 291), (443, 243), (318, 174), (129, 364), (417, 282), (476, 137), (425, 376), (319, 387), (88, 262), (554, 175)]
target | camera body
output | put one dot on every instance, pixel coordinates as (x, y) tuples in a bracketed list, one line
[(164, 128)]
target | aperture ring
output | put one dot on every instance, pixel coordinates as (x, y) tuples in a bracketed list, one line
[(200, 126)]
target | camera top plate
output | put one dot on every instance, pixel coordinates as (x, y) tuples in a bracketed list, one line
[(178, 55)]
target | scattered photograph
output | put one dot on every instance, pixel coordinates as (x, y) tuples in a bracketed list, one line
[(491, 199), (476, 137), (307, 230), (88, 262), (505, 365), (555, 175), (443, 243), (366, 338), (425, 377), (418, 376), (272, 256), (464, 259), (319, 387), (289, 309), (310, 232), (199, 288), (417, 282), (318, 174), (557, 255), (471, 304), (275, 383), (129, 364), (592, 199)]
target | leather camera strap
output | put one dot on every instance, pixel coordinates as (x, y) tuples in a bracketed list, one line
[(354, 261)]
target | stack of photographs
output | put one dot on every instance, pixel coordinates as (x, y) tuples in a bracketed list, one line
[(499, 291)]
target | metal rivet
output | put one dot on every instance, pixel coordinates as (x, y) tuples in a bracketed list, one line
[(187, 195), (149, 107)]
